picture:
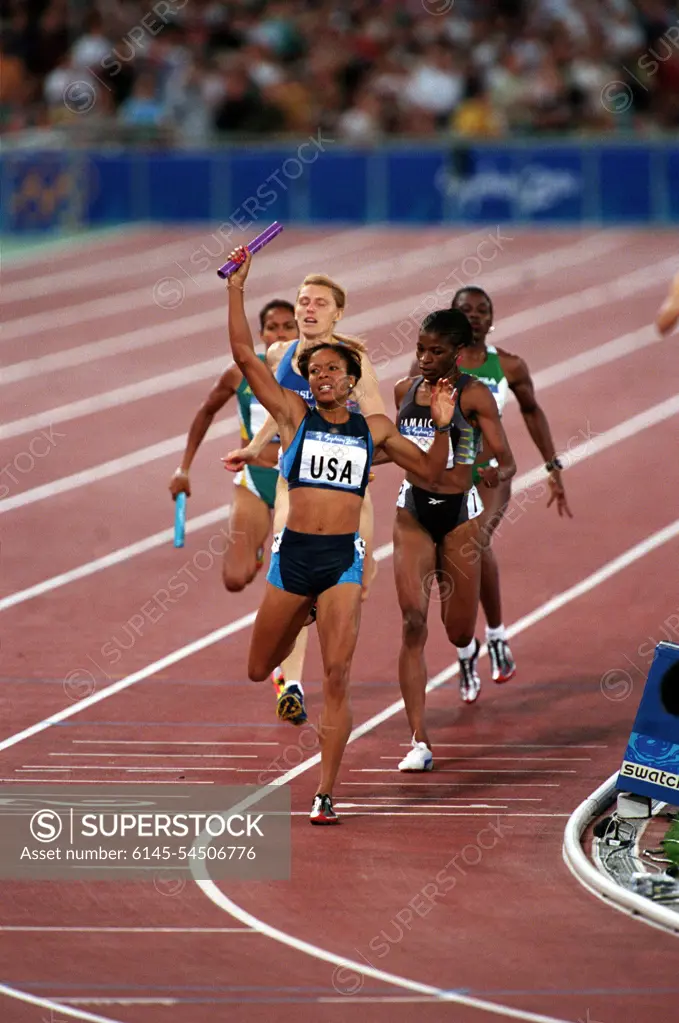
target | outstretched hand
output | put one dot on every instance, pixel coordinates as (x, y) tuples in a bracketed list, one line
[(558, 494), (179, 484), (236, 460), (243, 256), (442, 402)]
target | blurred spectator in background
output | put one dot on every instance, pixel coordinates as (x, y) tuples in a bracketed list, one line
[(364, 70), (476, 117), (143, 108)]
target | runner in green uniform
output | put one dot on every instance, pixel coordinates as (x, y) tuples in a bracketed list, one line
[(502, 373), (253, 499)]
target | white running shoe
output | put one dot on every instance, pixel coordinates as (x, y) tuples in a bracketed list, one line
[(470, 683), (419, 758)]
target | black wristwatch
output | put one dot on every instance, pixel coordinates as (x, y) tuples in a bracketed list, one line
[(443, 429), (556, 465)]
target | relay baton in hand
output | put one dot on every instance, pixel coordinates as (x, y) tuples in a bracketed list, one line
[(258, 243), (179, 519)]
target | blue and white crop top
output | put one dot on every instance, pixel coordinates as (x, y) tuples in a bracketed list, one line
[(333, 456), (289, 378)]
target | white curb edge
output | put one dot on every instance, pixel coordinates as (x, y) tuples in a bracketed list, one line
[(599, 884)]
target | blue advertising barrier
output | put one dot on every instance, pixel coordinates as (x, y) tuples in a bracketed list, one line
[(322, 182), (650, 765)]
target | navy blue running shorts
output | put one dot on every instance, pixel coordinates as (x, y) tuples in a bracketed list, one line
[(309, 563)]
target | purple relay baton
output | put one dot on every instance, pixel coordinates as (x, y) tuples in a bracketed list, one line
[(259, 242)]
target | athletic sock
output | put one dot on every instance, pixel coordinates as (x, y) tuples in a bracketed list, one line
[(465, 652), (292, 682), (497, 633)]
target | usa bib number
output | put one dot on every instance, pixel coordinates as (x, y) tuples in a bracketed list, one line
[(333, 463)]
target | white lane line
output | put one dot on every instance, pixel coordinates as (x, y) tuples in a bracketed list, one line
[(117, 687), (218, 897), (56, 1008), (618, 289), (506, 745), (133, 460), (424, 800), (386, 270), (421, 806), (102, 781), (386, 999), (166, 756), (68, 1000), (158, 384), (175, 380), (565, 370), (142, 298), (628, 428), (165, 742), (164, 536), (459, 785), (437, 813), (651, 543), (530, 760), (597, 295), (34, 258), (182, 327), (104, 270), (25, 929), (107, 269), (129, 770), (467, 770)]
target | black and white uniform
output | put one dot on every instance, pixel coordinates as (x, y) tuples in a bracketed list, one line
[(439, 513)]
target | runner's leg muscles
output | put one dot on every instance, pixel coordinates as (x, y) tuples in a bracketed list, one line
[(495, 503), (339, 614), (414, 566), (279, 620), (460, 574), (249, 525)]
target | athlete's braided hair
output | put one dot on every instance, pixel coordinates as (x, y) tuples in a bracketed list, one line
[(452, 325)]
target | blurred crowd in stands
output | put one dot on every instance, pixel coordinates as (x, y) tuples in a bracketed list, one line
[(359, 70)]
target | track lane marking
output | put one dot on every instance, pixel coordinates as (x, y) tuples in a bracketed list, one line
[(210, 889), (623, 431)]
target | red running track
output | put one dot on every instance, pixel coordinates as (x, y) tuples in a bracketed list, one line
[(513, 931)]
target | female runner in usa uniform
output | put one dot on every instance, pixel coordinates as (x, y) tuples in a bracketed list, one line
[(319, 305), (318, 557)]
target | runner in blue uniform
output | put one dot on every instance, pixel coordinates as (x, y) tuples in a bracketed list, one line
[(318, 557), (319, 306)]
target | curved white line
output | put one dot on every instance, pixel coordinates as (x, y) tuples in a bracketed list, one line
[(608, 570), (361, 970), (55, 1007), (216, 896), (599, 884)]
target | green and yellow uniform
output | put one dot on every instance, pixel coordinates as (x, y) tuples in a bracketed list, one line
[(491, 374), (252, 416)]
